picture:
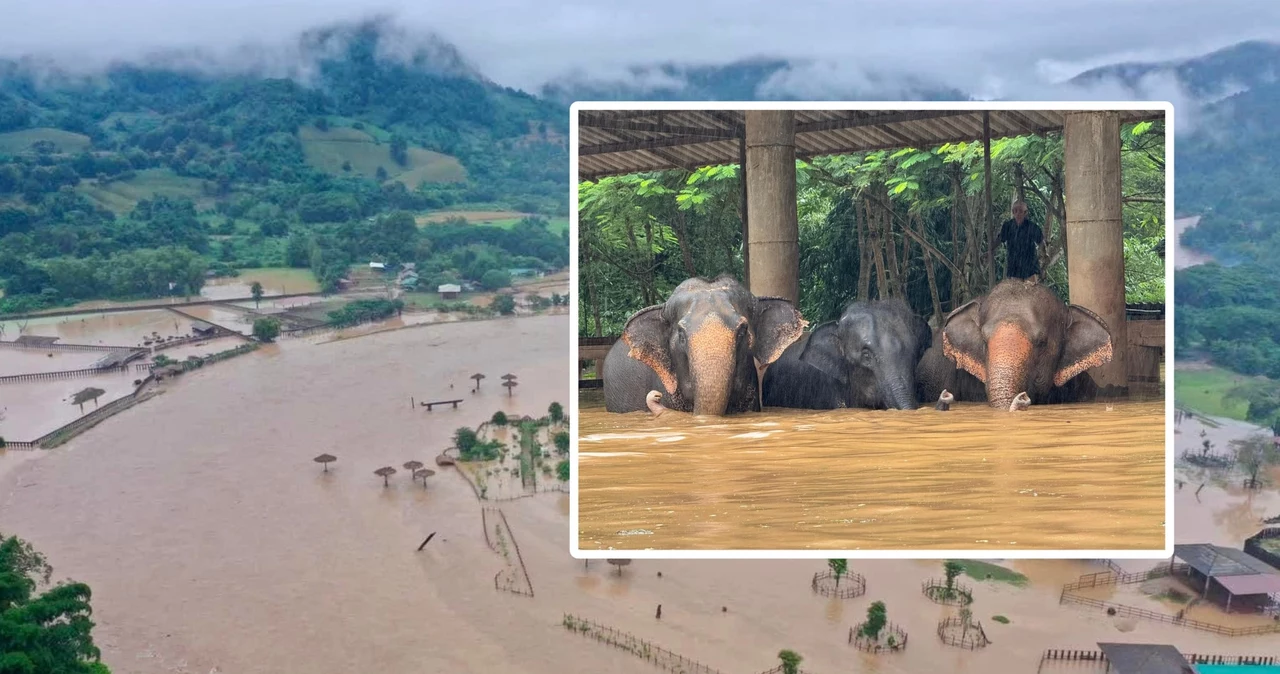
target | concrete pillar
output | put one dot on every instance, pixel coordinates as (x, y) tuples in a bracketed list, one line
[(773, 224), (1095, 230)]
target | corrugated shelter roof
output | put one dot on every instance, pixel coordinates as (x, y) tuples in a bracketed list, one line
[(1218, 562), (1256, 583), (1145, 659), (619, 142)]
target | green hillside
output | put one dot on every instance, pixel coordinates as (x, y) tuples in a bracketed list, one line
[(115, 188), (55, 141), (345, 150)]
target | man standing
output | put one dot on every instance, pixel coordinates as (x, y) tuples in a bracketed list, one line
[(1021, 239)]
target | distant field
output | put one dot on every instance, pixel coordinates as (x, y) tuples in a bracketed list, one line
[(19, 142), (122, 196), (328, 150), (505, 219), (431, 300), (1201, 388)]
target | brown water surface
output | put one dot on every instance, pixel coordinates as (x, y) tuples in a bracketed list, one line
[(1061, 477)]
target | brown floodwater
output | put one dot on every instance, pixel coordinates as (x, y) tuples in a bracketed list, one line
[(213, 543), (126, 328), (1061, 477)]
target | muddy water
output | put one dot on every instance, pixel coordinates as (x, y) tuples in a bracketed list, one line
[(1053, 477), (212, 541), (127, 328), (29, 361), (31, 409), (274, 282)]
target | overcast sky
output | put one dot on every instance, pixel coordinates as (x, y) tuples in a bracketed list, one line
[(1006, 48)]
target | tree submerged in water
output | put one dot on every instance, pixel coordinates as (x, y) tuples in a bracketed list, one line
[(839, 567), (877, 618), (790, 661)]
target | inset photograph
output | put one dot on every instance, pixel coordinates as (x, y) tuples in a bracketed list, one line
[(872, 330)]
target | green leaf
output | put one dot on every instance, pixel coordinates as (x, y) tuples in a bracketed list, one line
[(902, 153), (1141, 128), (902, 187), (914, 160)]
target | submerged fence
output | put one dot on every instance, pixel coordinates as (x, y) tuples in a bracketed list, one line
[(66, 432), (1069, 595), (1059, 654), (647, 651), (826, 584)]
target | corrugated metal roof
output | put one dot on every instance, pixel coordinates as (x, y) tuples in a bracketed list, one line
[(1258, 583), (619, 142), (1220, 562), (1144, 659)]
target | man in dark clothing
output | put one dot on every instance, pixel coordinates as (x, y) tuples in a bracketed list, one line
[(1021, 239)]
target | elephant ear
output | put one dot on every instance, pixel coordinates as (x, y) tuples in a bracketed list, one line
[(823, 351), (647, 333), (962, 340), (1088, 345), (775, 326)]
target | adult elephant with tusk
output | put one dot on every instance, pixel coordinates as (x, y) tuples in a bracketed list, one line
[(1021, 337), (867, 359), (704, 349)]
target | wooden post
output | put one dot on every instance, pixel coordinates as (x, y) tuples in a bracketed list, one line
[(1095, 231), (746, 231), (986, 199), (774, 226)]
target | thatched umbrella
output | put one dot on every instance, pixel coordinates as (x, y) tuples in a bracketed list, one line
[(477, 376), (413, 465), (325, 459), (511, 384), (85, 396), (423, 475), (619, 563), (508, 377), (385, 473)]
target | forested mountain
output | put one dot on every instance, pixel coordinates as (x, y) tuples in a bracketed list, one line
[(116, 184)]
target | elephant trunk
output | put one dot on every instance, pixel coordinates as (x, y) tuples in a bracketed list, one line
[(712, 365), (898, 389), (1008, 356)]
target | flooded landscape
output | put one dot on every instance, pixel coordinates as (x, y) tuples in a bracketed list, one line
[(212, 485), (1060, 477)]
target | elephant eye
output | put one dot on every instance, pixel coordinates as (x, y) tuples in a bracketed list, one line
[(866, 353), (681, 335)]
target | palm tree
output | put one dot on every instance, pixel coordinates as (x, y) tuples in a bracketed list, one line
[(790, 661)]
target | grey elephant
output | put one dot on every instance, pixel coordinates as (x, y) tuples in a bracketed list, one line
[(1018, 337), (867, 358), (703, 349)]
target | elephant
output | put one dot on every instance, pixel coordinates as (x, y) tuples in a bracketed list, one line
[(867, 359), (1018, 337), (704, 349)]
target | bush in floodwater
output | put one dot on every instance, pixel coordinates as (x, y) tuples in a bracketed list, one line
[(1000, 619), (562, 470)]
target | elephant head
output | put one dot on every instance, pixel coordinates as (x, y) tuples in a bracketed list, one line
[(1021, 337), (872, 352), (709, 342)]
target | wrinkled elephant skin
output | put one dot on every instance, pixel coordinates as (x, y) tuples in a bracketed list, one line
[(865, 359), (702, 349), (1021, 337)]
